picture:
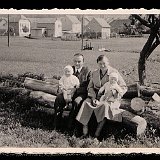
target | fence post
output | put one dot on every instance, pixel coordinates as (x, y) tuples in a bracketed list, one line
[(8, 30)]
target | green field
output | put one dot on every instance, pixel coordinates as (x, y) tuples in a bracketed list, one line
[(49, 57)]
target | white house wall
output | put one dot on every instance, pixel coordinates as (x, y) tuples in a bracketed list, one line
[(3, 24), (76, 28), (106, 33), (58, 29), (24, 23)]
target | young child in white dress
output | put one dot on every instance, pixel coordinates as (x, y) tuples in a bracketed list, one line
[(112, 92), (68, 84)]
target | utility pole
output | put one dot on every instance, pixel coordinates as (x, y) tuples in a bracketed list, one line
[(8, 30), (82, 33)]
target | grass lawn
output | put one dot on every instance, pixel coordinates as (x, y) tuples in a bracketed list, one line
[(49, 57)]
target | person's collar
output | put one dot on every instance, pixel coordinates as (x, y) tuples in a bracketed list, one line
[(109, 70), (79, 70)]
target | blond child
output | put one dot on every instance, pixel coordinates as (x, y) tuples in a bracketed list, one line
[(68, 84), (112, 92)]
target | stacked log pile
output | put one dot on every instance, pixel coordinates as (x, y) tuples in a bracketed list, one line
[(29, 89)]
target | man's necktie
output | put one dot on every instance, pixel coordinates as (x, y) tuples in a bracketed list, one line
[(77, 73)]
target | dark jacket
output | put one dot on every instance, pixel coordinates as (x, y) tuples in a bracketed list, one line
[(84, 78)]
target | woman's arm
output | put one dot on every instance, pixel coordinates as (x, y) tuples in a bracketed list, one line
[(91, 92), (101, 89), (122, 85)]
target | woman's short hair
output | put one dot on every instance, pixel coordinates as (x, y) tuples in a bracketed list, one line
[(101, 57), (79, 54)]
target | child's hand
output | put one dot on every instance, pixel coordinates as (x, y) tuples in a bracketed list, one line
[(115, 87), (105, 97), (99, 92), (72, 91)]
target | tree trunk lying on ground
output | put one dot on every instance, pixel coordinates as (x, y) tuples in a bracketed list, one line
[(47, 100), (11, 90), (52, 88), (151, 115), (38, 85), (43, 98), (148, 91)]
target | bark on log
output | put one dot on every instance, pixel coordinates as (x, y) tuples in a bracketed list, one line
[(38, 85), (148, 91), (131, 92), (152, 118), (145, 91), (43, 98), (15, 91)]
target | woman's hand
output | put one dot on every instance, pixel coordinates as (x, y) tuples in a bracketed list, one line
[(94, 102)]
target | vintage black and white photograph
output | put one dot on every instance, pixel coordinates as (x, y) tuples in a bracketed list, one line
[(79, 80)]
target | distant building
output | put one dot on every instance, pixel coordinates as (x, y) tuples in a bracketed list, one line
[(117, 25), (99, 26), (24, 27), (71, 24), (18, 25), (50, 26), (3, 26), (86, 20)]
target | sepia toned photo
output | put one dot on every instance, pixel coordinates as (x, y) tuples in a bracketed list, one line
[(79, 81)]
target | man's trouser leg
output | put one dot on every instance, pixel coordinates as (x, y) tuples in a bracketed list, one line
[(58, 106), (75, 108)]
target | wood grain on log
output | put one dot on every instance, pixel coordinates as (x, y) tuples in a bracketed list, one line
[(39, 85), (152, 118), (43, 98)]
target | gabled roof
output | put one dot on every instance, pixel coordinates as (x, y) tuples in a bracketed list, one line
[(73, 19), (42, 20), (109, 19), (16, 17), (120, 22), (3, 18), (41, 15), (102, 22), (89, 18)]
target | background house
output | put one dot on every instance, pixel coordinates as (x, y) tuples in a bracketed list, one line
[(14, 23), (117, 25), (98, 26), (49, 26), (71, 24), (24, 26), (18, 25), (3, 26)]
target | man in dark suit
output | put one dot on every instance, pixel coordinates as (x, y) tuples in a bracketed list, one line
[(83, 74)]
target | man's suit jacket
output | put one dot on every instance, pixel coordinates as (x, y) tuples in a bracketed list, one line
[(84, 78)]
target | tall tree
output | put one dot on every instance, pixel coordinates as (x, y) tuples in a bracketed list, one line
[(151, 21)]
